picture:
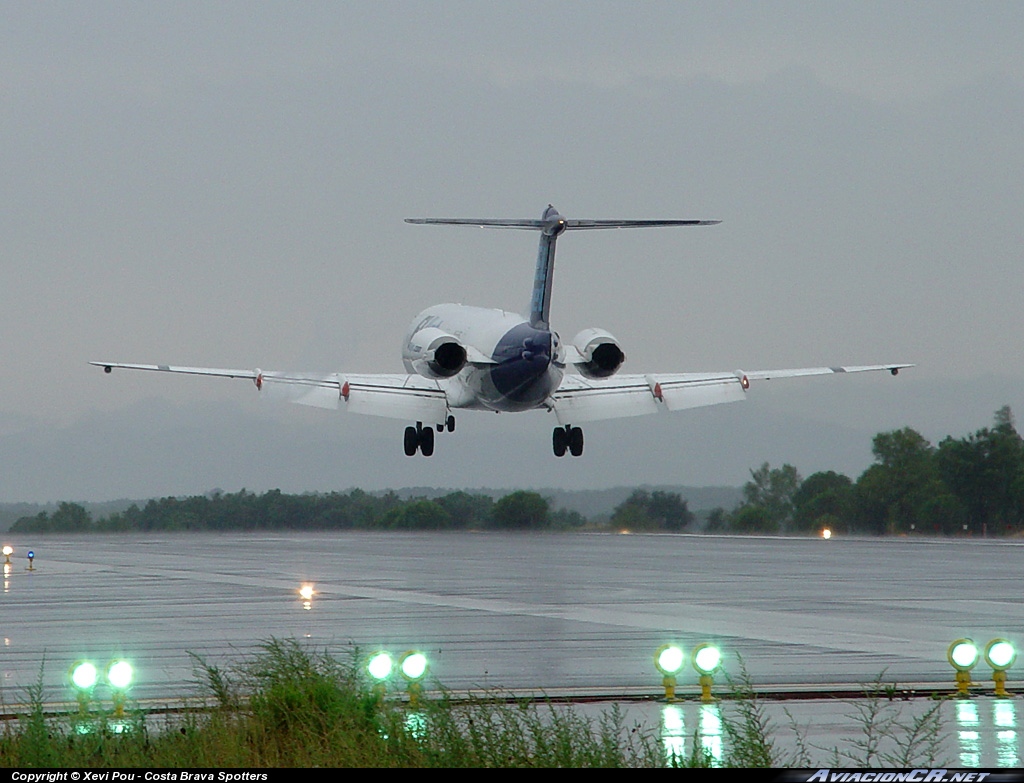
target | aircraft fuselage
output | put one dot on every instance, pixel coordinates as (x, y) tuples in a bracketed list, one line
[(510, 365)]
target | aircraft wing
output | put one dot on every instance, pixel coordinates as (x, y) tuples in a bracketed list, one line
[(580, 399), (409, 397)]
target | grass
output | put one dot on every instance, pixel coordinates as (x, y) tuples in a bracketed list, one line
[(887, 736), (290, 706), (294, 707)]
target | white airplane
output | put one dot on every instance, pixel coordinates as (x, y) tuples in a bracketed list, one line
[(471, 358)]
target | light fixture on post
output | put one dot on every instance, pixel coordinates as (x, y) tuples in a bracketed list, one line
[(119, 676), (963, 656), (1000, 655), (379, 666), (668, 659), (83, 676), (706, 659), (412, 665)]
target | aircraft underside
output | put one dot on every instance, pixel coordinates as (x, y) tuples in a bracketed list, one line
[(518, 384)]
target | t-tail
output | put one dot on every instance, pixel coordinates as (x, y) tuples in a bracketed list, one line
[(551, 225)]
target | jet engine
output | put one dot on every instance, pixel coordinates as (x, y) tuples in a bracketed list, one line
[(434, 354), (599, 353)]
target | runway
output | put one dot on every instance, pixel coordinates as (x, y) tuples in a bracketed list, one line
[(534, 612)]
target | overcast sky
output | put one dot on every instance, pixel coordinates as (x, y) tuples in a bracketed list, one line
[(224, 184)]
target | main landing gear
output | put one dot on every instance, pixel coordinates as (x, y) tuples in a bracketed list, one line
[(567, 439), (421, 439)]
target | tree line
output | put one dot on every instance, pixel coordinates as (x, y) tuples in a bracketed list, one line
[(275, 510), (966, 486)]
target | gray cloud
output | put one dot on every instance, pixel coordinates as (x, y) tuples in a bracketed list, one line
[(224, 185)]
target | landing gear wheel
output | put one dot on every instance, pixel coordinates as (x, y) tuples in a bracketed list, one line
[(412, 441), (576, 441), (427, 441), (449, 424), (559, 441)]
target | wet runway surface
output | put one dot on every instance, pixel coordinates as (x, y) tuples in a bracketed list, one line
[(518, 612)]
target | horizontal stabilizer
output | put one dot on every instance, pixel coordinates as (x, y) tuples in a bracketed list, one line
[(538, 225), (569, 224), (483, 222)]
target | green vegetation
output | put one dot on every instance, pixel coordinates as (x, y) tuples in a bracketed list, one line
[(290, 706), (966, 486), (645, 510), (355, 510)]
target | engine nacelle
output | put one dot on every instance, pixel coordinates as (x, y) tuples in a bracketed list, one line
[(599, 352), (434, 354)]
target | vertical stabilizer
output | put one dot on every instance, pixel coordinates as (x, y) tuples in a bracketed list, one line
[(552, 224)]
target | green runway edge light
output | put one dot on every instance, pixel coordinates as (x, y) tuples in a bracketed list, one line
[(413, 665), (119, 677), (83, 675), (668, 659), (963, 656), (380, 665), (119, 674), (1000, 655), (706, 659)]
